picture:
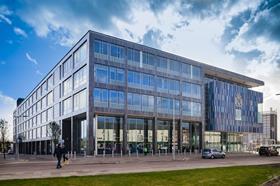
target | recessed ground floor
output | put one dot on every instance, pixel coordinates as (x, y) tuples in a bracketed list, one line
[(136, 135)]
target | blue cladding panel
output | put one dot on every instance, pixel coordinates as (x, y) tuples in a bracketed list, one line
[(223, 99)]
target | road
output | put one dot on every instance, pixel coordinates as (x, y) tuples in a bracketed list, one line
[(42, 168)]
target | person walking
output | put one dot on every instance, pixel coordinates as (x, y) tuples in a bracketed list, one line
[(58, 154)]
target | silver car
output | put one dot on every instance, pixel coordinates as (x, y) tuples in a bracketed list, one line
[(213, 153)]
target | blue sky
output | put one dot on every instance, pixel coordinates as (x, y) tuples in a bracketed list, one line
[(238, 35)]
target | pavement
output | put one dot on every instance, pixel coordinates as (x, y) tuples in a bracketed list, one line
[(30, 166)]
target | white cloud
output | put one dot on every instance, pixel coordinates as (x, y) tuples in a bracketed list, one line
[(28, 56), (20, 32), (39, 72), (4, 12), (7, 107)]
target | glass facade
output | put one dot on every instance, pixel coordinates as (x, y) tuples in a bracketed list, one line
[(232, 108)]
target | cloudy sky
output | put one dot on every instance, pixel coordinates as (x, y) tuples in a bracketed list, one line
[(239, 35)]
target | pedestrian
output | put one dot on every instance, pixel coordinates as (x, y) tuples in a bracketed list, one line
[(64, 151), (58, 154)]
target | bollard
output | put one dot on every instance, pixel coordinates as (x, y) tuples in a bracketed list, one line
[(165, 152), (137, 153), (121, 153), (103, 153), (159, 152), (68, 155), (185, 153), (129, 153), (112, 153), (85, 154), (71, 154), (152, 152), (74, 155)]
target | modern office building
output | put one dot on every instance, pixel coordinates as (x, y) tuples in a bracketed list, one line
[(111, 95), (270, 126)]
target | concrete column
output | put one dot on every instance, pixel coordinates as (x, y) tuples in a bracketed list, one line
[(180, 135), (94, 130), (155, 135), (124, 147), (40, 148), (72, 135)]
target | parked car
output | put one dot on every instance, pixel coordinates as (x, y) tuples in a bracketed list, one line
[(213, 153), (268, 151)]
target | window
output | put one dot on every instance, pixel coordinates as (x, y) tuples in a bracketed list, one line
[(44, 87), (148, 60), (56, 110), (174, 86), (191, 108), (116, 75), (175, 66), (67, 86), (50, 98), (101, 73), (168, 85), (44, 131), (67, 106), (100, 47), (162, 64), (80, 100), (44, 102), (186, 89), (56, 93), (80, 77), (168, 106), (50, 82), (44, 116), (196, 73), (196, 91), (186, 70), (80, 55), (50, 114), (56, 76), (134, 101), (133, 56), (134, 79), (196, 109), (117, 51), (100, 97), (147, 81), (67, 66), (147, 103), (116, 99)]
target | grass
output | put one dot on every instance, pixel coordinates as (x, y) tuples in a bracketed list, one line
[(242, 175)]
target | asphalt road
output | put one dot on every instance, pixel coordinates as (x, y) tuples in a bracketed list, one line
[(41, 168)]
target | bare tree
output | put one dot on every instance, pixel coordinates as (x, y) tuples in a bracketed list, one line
[(55, 131), (4, 134)]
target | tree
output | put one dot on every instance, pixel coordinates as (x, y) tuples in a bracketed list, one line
[(3, 134), (55, 131)]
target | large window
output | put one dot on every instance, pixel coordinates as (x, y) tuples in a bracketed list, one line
[(101, 73), (191, 108), (133, 57), (147, 103), (134, 101), (80, 100), (44, 116), (117, 51), (191, 90), (100, 47), (162, 64), (175, 67), (196, 73), (67, 66), (50, 98), (168, 106), (147, 82), (50, 82), (80, 77), (56, 76), (148, 60), (186, 70), (67, 106), (67, 86), (100, 97), (80, 55), (50, 114), (116, 99), (56, 110), (56, 93), (44, 102), (134, 79), (116, 76), (165, 85)]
